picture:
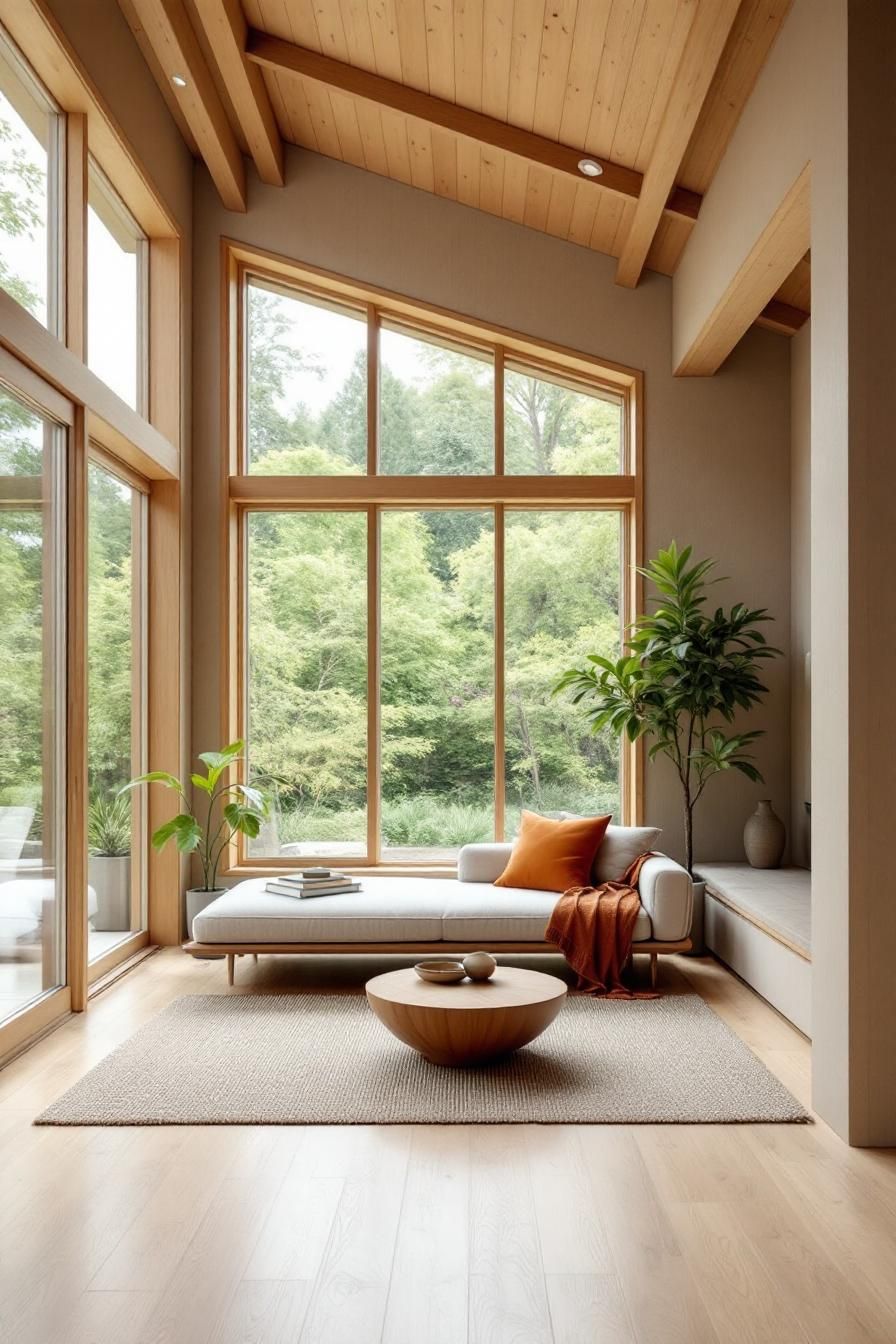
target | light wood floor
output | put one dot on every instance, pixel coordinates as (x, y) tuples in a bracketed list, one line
[(426, 1234)]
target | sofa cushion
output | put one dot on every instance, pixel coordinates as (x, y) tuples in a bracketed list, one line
[(553, 855), (387, 910), (480, 914), (384, 911), (619, 848)]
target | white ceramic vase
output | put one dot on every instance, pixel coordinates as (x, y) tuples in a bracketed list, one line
[(764, 837)]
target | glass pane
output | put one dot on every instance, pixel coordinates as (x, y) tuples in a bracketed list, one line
[(562, 602), (555, 429), (307, 386), (32, 905), (115, 752), (437, 661), (437, 409), (116, 251), (307, 621), (26, 133)]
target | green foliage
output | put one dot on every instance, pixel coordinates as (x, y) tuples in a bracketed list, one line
[(233, 809), (684, 667), (109, 826)]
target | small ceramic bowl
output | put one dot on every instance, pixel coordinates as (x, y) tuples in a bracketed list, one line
[(440, 972)]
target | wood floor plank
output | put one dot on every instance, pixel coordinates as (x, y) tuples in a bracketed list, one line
[(197, 1297), (588, 1309), (740, 1234), (739, 1294), (265, 1312), (349, 1301), (428, 1290), (662, 1297), (508, 1297), (570, 1231)]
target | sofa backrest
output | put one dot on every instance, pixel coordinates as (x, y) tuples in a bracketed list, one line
[(619, 848)]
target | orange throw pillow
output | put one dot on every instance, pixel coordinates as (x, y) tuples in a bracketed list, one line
[(553, 855)]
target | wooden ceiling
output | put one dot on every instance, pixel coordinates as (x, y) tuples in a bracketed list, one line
[(487, 102)]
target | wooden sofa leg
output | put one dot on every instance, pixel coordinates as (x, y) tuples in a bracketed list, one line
[(231, 961), (653, 962)]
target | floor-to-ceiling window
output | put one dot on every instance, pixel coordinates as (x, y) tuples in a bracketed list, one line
[(90, 510), (32, 705), (116, 736), (431, 523)]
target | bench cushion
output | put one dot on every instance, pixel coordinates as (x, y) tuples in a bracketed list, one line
[(386, 910)]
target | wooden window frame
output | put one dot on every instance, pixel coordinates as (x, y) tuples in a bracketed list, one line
[(245, 493), (48, 370)]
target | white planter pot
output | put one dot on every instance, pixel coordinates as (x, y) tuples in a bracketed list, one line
[(110, 878), (197, 900)]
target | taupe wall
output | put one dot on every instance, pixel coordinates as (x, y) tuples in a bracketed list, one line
[(826, 96), (800, 596), (717, 450)]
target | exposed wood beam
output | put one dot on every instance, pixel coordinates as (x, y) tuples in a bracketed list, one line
[(226, 30), (782, 317), (286, 58), (702, 51), (170, 33), (773, 256)]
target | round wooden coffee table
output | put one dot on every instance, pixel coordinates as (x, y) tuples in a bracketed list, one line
[(468, 1022)]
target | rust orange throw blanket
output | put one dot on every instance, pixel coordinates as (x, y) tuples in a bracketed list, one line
[(594, 927)]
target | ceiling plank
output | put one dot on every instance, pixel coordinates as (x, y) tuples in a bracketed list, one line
[(284, 57), (225, 27), (702, 52), (773, 256), (170, 33)]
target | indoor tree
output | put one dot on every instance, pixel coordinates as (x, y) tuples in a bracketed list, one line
[(686, 673)]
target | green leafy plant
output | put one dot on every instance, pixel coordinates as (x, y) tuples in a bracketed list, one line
[(109, 827), (684, 676), (243, 814)]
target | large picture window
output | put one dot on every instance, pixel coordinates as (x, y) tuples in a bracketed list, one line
[(404, 616)]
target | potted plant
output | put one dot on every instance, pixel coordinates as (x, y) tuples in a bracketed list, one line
[(109, 864), (228, 810), (683, 678)]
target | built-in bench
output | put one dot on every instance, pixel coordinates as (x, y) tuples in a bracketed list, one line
[(759, 922)]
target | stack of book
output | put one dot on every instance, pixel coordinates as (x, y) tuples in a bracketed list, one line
[(312, 882)]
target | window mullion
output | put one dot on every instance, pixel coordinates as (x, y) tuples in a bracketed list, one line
[(373, 390), (500, 756), (374, 717), (499, 410)]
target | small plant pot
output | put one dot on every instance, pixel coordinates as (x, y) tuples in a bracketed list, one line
[(110, 877), (197, 900)]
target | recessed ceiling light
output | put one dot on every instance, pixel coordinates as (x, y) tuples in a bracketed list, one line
[(181, 83), (590, 168)]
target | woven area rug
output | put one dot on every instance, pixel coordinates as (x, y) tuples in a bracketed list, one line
[(307, 1059)]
